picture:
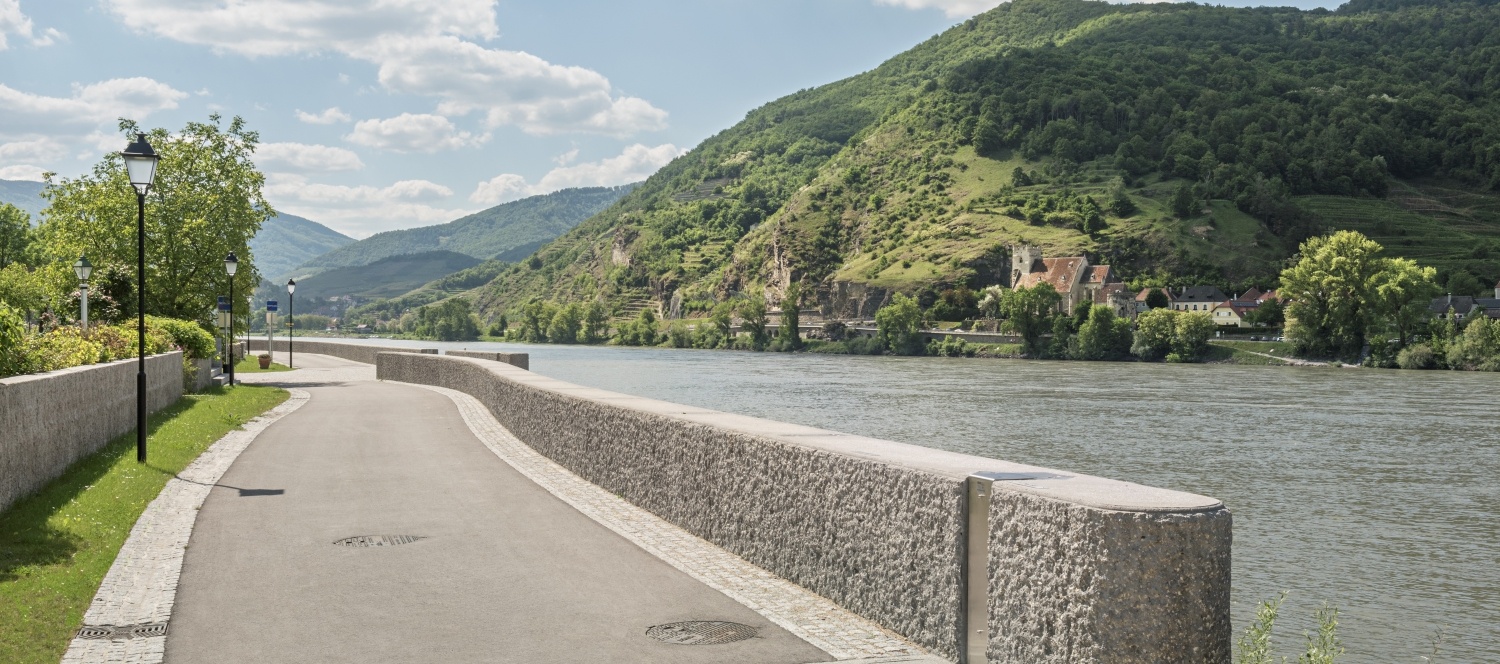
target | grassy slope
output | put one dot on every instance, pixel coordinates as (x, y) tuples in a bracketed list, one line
[(1437, 224), (497, 231), (287, 240), (56, 545), (387, 277)]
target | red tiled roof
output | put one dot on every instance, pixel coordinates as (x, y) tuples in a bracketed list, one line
[(1098, 274), (1061, 273), (1252, 295)]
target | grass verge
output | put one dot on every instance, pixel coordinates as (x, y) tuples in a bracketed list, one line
[(56, 545), (1240, 352), (252, 365)]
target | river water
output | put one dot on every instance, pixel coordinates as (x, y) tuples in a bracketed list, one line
[(1375, 491)]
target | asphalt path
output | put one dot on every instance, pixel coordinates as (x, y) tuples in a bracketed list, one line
[(504, 572)]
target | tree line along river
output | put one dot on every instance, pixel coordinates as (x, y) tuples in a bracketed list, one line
[(1375, 491)]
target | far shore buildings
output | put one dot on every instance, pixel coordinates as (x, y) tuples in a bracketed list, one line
[(1225, 310), (1465, 307), (1072, 277)]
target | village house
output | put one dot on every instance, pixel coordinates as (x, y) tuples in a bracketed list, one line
[(1232, 312), (1198, 298), (1072, 277), (1464, 306)]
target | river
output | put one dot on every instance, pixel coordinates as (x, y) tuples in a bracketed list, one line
[(1375, 491)]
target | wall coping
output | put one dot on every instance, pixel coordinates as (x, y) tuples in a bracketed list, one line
[(1077, 488)]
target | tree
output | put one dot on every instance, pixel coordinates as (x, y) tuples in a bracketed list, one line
[(1156, 299), (1270, 313), (536, 316), (989, 305), (449, 320), (1191, 333), (565, 324), (1403, 291), (1184, 202), (1154, 332), (595, 323), (789, 336), (1104, 336), (1028, 313), (1120, 204), (753, 313), (206, 203), (15, 235), (1332, 289), (898, 325)]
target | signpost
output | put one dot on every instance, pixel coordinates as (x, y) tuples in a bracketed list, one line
[(270, 327), (224, 327)]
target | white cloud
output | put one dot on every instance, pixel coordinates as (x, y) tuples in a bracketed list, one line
[(98, 102), (419, 47), (361, 211), (954, 8), (328, 116), (412, 132), (305, 158), (13, 22), (43, 149), (566, 158), (634, 164), (22, 172)]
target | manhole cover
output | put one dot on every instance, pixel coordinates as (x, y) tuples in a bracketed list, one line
[(377, 540), (145, 631), (700, 632)]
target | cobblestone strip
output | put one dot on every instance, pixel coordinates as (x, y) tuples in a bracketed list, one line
[(141, 585), (815, 619)]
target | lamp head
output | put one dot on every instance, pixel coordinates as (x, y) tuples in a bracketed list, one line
[(291, 286), (140, 164), (231, 264), (83, 268)]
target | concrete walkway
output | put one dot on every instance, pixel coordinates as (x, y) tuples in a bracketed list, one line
[(504, 572)]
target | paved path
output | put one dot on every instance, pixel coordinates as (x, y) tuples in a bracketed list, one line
[(506, 571)]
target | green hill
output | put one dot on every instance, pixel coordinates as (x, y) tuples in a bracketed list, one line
[(24, 194), (388, 277), (287, 240), (507, 232), (1178, 142)]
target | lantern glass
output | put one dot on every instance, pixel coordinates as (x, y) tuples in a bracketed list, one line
[(291, 286), (83, 268), (231, 264), (140, 164)]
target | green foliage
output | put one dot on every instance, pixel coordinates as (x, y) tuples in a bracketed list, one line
[(449, 320), (206, 202), (566, 324), (678, 335), (898, 325), (1028, 313), (1342, 288), (955, 304), (391, 277), (1254, 647), (195, 342), (15, 235), (1323, 647), (1104, 336), (1154, 331), (1157, 299), (508, 232), (595, 322), (497, 329), (753, 316), (788, 335), (1190, 336), (1417, 356), (1184, 203), (12, 333), (536, 315), (1477, 347), (642, 331), (1271, 313)]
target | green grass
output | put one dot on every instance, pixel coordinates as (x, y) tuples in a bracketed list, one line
[(252, 365), (56, 545), (1238, 352)]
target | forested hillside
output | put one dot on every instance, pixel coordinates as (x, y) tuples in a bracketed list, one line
[(507, 232), (287, 240), (24, 194), (1180, 143)]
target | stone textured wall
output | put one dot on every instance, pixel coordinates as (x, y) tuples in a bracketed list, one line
[(351, 352), (1082, 569), (520, 360), (49, 421)]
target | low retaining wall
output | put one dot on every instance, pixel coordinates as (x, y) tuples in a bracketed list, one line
[(1068, 568), (50, 420), (519, 360), (352, 352)]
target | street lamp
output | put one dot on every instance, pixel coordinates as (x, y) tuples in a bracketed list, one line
[(83, 268), (140, 165), (231, 265), (291, 323)]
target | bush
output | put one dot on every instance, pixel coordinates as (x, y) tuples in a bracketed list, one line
[(1418, 356), (678, 335), (1103, 336), (12, 330), (195, 342), (898, 325)]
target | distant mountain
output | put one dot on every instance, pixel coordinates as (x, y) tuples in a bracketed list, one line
[(287, 240), (387, 277), (508, 232), (24, 194)]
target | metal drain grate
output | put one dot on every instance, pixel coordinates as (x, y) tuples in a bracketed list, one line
[(113, 632), (377, 540), (701, 632)]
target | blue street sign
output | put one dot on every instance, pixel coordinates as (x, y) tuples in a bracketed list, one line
[(270, 305), (223, 303)]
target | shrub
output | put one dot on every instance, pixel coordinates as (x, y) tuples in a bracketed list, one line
[(898, 325), (11, 333), (195, 342), (1417, 356), (1104, 336), (678, 335)]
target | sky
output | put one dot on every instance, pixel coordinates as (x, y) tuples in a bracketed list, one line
[(375, 115)]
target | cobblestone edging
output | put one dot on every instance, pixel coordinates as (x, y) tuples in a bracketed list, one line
[(815, 619), (141, 585)]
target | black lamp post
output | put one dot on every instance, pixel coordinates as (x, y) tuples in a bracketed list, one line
[(231, 264), (140, 165), (82, 269), (291, 323)]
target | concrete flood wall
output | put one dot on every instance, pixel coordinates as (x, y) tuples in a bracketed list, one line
[(50, 420), (1066, 568), (520, 360), (352, 352)]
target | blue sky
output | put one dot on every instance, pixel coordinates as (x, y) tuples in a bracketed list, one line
[(384, 114)]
